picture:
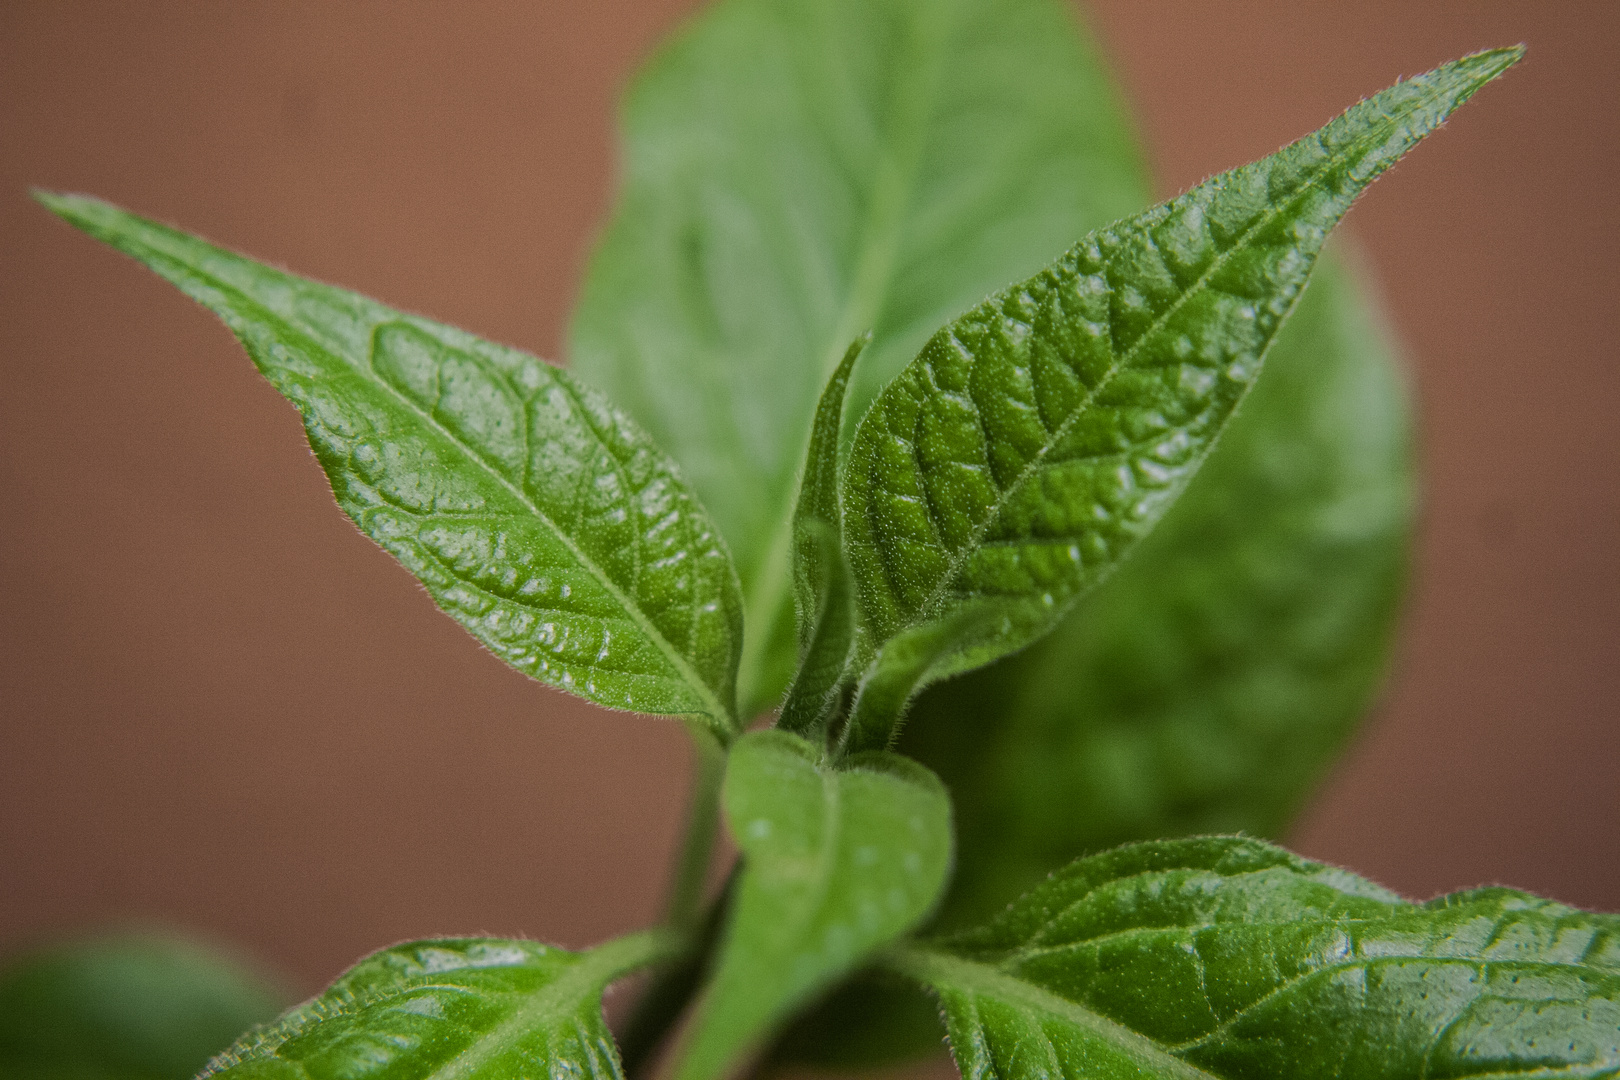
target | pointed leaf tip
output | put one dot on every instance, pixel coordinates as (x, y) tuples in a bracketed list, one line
[(1034, 440), (538, 515)]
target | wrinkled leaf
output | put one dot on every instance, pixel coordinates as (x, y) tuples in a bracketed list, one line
[(824, 595), (537, 515), (1034, 440), (799, 171), (126, 1008), (468, 1008), (837, 862), (1204, 686), (1227, 957)]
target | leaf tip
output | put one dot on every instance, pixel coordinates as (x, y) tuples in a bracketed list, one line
[(63, 204), (1471, 72), (85, 212)]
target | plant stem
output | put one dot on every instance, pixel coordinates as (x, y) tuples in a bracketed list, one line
[(671, 990), (678, 979), (685, 907)]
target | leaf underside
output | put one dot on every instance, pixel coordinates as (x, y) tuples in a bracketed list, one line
[(537, 515), (1036, 439), (1227, 957)]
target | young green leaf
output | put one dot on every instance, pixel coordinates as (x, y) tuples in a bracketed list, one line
[(824, 596), (537, 515), (126, 1008), (468, 1008), (1227, 957), (1204, 686), (1034, 440), (798, 171), (837, 862)]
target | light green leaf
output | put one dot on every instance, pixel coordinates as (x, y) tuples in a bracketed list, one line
[(837, 862), (798, 171), (1204, 686), (824, 595), (1034, 440), (1227, 957), (461, 1008), (126, 1008), (537, 515)]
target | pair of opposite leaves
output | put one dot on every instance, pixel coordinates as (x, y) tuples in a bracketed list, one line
[(1032, 442)]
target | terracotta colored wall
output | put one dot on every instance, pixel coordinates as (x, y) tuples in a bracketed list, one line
[(220, 706)]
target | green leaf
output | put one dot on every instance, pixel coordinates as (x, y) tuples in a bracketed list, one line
[(1205, 686), (1034, 440), (837, 862), (126, 1008), (1227, 957), (468, 1008), (537, 515), (798, 171), (824, 596)]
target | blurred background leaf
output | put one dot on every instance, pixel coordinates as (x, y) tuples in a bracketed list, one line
[(143, 1006)]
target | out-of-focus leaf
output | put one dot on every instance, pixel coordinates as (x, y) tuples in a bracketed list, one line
[(800, 171), (126, 1008)]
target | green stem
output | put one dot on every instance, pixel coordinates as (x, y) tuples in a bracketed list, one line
[(685, 907), (671, 990)]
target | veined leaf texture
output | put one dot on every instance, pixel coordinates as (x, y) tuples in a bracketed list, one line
[(1036, 439), (1224, 957), (462, 1008), (538, 516)]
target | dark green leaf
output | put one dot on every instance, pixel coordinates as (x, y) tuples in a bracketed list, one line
[(1204, 686), (129, 1008), (1037, 438), (824, 596), (837, 862), (1227, 957), (538, 516), (462, 1008), (798, 171)]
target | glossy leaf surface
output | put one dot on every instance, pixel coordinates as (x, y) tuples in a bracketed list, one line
[(1037, 438), (127, 1008), (538, 516), (1227, 957), (837, 862), (1204, 686), (800, 171), (468, 1008)]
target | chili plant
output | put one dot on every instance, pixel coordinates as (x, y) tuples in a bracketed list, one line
[(1107, 555)]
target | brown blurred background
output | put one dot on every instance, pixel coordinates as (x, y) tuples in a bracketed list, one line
[(221, 707)]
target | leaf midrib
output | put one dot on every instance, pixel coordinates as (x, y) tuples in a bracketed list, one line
[(561, 997), (689, 676), (944, 971), (958, 559)]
